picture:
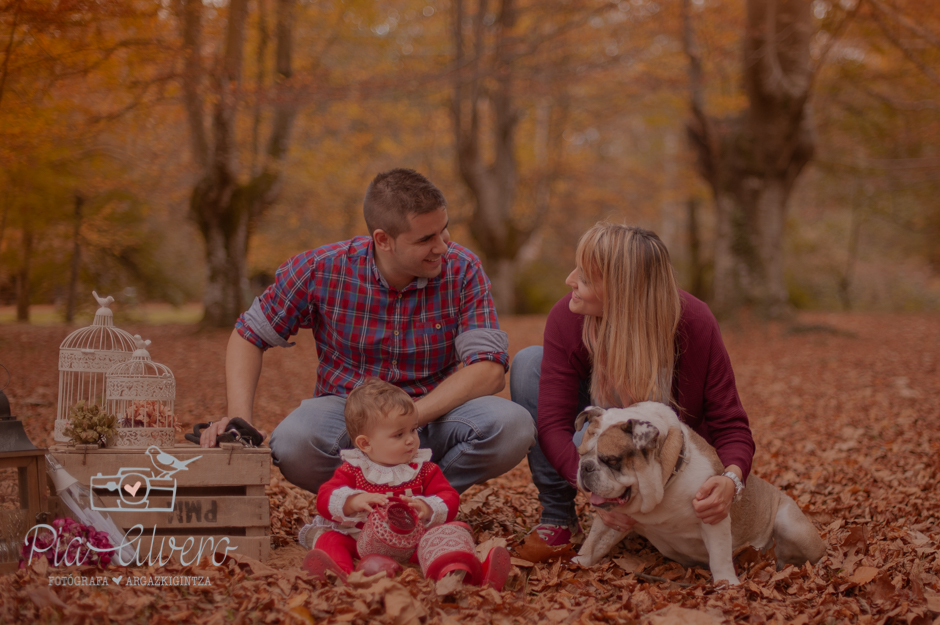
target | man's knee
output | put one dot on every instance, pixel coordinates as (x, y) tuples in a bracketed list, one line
[(524, 377), (305, 445), (511, 425)]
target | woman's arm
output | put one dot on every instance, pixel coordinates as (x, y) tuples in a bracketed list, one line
[(565, 365)]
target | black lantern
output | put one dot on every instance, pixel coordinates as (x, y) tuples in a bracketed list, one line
[(18, 452)]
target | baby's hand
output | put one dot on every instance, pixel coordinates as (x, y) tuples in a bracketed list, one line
[(363, 502), (421, 507)]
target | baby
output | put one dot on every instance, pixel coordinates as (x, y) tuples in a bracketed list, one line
[(382, 422)]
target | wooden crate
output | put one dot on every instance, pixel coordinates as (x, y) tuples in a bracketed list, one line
[(220, 496)]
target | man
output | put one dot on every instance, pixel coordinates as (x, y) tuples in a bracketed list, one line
[(406, 305)]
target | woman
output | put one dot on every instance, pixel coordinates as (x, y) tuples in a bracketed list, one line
[(626, 333)]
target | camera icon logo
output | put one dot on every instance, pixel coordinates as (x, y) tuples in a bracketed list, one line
[(138, 488)]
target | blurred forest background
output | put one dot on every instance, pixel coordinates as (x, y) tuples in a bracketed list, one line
[(787, 151)]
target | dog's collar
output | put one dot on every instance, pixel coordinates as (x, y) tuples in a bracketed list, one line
[(680, 462)]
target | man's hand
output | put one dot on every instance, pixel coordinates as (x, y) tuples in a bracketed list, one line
[(712, 503), (420, 506), (616, 520), (208, 437), (363, 502), (477, 380)]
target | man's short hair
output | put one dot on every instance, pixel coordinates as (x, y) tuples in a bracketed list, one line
[(394, 195), (373, 399)]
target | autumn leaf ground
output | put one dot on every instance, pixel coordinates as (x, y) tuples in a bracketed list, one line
[(845, 410)]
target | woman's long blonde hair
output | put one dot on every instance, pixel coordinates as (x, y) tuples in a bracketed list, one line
[(632, 346)]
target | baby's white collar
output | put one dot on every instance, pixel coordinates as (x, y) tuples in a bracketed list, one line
[(380, 474)]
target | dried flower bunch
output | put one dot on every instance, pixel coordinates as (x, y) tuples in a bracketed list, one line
[(69, 544), (149, 414), (90, 424)]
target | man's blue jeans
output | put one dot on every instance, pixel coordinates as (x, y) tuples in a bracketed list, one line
[(472, 443), (555, 493)]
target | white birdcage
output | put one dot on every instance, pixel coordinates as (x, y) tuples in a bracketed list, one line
[(85, 357), (141, 393)]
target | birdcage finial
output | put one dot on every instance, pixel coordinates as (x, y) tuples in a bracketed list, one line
[(141, 345), (104, 302)]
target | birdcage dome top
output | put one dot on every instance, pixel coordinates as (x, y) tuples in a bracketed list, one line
[(139, 365), (101, 335)]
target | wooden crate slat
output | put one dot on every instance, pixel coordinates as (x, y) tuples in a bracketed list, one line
[(215, 467), (190, 512)]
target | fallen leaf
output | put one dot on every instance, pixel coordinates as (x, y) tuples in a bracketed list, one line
[(536, 550), (557, 616), (863, 575), (933, 602), (43, 596), (483, 549), (448, 585), (674, 615), (403, 608), (302, 613), (630, 563)]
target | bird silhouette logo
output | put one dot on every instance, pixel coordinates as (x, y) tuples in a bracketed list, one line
[(166, 464), (140, 488)]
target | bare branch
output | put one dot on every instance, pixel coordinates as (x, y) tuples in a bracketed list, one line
[(764, 30), (899, 43), (906, 22), (701, 129)]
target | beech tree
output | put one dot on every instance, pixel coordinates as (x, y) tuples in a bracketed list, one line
[(507, 58), (752, 160), (227, 202)]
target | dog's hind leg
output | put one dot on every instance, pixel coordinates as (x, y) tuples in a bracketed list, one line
[(717, 540), (797, 540)]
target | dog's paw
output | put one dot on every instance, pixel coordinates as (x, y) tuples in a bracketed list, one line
[(733, 581), (581, 560)]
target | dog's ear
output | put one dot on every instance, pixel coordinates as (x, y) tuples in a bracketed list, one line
[(645, 435), (649, 479), (588, 414)]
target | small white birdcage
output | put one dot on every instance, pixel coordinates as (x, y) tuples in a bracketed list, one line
[(85, 357), (141, 393)]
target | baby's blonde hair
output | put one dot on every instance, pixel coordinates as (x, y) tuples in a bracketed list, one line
[(372, 399)]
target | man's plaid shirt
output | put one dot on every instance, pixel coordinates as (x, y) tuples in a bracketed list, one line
[(364, 329)]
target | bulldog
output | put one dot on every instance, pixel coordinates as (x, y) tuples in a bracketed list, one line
[(644, 462)]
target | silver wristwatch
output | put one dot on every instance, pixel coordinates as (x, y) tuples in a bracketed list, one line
[(738, 484)]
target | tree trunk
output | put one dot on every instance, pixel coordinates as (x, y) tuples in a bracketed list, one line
[(22, 278), (224, 208), (76, 260), (492, 182), (752, 161), (696, 267)]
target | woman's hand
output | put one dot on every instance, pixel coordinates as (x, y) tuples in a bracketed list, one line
[(616, 520), (363, 502), (713, 500)]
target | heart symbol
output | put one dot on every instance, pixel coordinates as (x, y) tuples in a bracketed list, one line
[(117, 579), (132, 490)]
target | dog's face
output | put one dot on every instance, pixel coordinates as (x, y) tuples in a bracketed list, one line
[(627, 454)]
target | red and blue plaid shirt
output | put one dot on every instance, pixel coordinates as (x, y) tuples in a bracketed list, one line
[(365, 329)]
